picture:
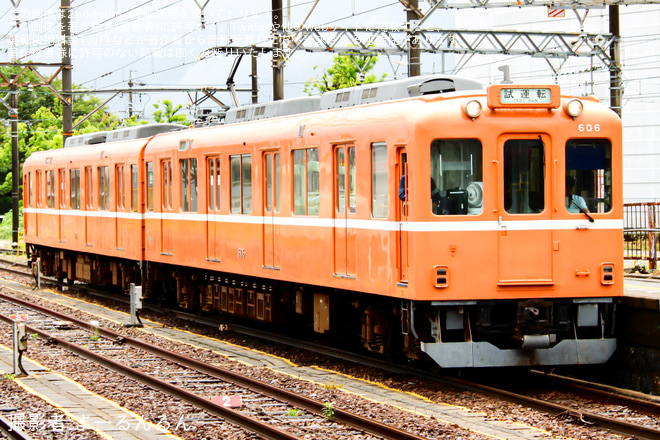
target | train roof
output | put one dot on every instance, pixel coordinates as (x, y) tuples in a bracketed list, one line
[(353, 96), (347, 97), (121, 134)]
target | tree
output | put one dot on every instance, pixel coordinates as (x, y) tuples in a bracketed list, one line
[(347, 70), (168, 113), (40, 124)]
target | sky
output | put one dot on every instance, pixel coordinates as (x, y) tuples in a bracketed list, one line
[(158, 42)]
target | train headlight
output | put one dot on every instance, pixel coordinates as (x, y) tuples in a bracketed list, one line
[(574, 108), (473, 109)]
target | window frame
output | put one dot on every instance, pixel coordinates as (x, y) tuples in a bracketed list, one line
[(306, 181), (188, 179), (74, 180), (241, 183), (135, 183), (379, 183)]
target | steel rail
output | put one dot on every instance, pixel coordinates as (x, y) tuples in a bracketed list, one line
[(618, 426), (554, 409), (12, 432), (645, 404), (289, 397), (236, 417)]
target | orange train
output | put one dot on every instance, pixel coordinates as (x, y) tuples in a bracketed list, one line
[(421, 218)]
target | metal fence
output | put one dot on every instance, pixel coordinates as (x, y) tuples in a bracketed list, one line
[(640, 232)]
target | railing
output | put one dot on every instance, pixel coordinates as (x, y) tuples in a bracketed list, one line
[(641, 223)]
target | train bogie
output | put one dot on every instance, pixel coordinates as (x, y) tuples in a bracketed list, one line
[(472, 228)]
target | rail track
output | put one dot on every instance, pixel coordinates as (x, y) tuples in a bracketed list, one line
[(587, 391), (263, 402), (8, 430)]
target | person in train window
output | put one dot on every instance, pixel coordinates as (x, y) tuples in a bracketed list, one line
[(574, 202), (403, 190)]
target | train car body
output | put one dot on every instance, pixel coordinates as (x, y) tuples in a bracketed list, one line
[(477, 228)]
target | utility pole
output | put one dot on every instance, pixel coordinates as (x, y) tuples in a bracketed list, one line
[(67, 106), (255, 88), (414, 57), (130, 93), (278, 56), (616, 85), (15, 172)]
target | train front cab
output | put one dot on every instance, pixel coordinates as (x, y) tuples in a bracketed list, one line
[(518, 273)]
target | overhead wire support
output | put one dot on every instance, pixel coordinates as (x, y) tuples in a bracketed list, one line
[(565, 4), (370, 41)]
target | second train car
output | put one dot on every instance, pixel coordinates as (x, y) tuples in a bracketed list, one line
[(421, 218)]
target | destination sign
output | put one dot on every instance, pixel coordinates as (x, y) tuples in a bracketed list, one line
[(523, 96), (526, 96)]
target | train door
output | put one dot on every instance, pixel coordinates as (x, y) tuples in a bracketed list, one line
[(61, 201), (345, 234), (524, 209), (89, 205), (120, 205), (213, 208), (271, 207), (402, 214), (166, 207)]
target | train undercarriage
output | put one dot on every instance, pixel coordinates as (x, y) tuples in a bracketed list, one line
[(566, 331)]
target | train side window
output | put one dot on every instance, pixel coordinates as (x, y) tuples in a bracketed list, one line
[(213, 173), (588, 175), (344, 186), (341, 180), (120, 186), (241, 183), (306, 199), (166, 184), (379, 186), (456, 177), (62, 176), (277, 181), (74, 175), (269, 182), (189, 184), (134, 188), (31, 189), (104, 188), (89, 188), (150, 186), (50, 188), (37, 188), (272, 169), (524, 174)]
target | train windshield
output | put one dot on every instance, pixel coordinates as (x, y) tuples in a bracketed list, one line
[(588, 175), (524, 174), (456, 177)]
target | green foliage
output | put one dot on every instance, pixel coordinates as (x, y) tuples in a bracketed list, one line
[(293, 412), (6, 225), (328, 411), (40, 128), (168, 113), (347, 70)]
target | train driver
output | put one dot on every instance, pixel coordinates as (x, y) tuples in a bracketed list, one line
[(574, 202)]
